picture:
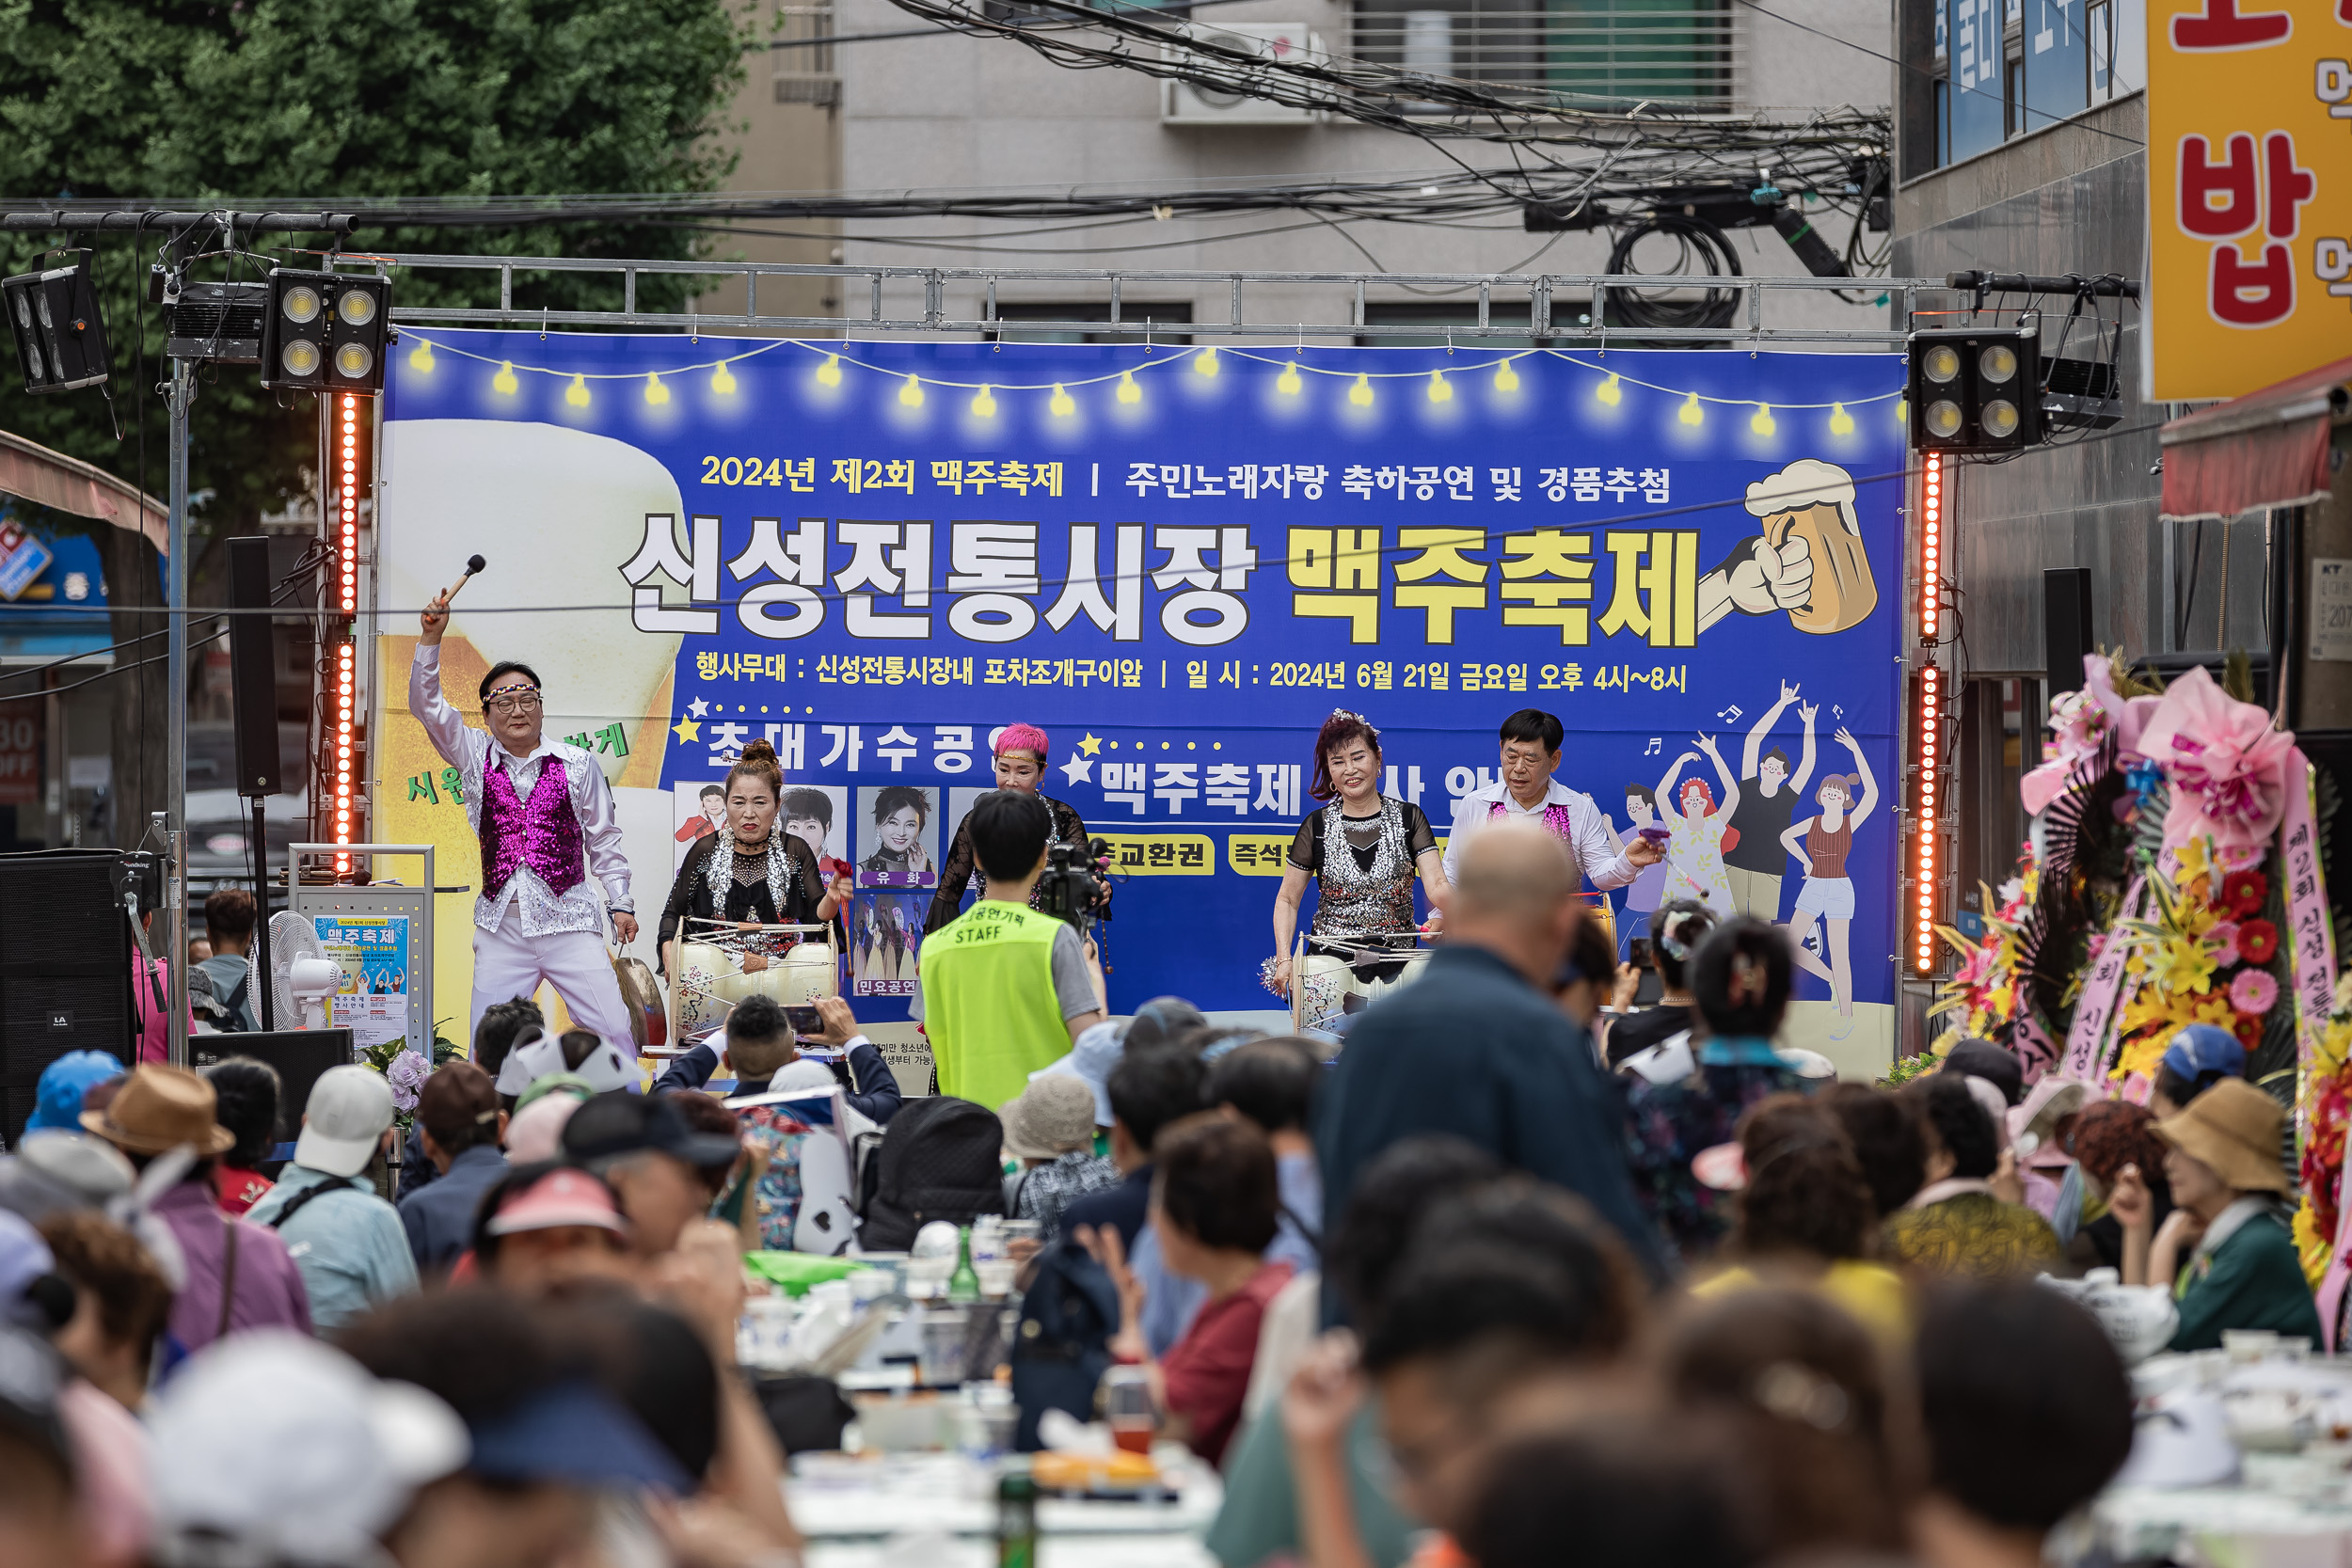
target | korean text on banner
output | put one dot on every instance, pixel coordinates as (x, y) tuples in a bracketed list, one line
[(1175, 564), (2249, 193)]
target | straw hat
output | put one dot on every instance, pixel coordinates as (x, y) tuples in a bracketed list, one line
[(160, 1108), (1053, 1116), (2234, 1128)]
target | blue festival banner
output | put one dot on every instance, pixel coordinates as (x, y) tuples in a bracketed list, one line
[(1178, 562)]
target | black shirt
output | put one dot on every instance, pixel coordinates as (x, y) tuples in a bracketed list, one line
[(1761, 820), (963, 864), (1640, 1031)]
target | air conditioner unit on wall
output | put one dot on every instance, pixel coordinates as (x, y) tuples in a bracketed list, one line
[(1191, 103)]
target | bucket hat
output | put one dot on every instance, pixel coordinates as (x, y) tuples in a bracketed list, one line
[(2234, 1128), (159, 1108)]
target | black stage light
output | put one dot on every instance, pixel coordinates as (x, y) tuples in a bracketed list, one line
[(219, 324), (325, 331), (60, 336), (1975, 391)]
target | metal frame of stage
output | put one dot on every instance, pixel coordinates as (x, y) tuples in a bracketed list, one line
[(1510, 305)]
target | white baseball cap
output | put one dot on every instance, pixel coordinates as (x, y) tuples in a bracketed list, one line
[(345, 1451), (350, 1107)]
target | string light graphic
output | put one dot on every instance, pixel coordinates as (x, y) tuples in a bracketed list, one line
[(833, 369)]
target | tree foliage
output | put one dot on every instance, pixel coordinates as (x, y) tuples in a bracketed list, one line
[(300, 101), (295, 104)]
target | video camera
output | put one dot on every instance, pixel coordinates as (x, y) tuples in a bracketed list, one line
[(1071, 888)]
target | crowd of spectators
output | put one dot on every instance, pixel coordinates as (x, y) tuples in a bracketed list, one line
[(1513, 1276)]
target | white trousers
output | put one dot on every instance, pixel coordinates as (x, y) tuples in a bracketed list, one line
[(507, 964)]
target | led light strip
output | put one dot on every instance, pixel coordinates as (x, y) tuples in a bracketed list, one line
[(350, 410), (1928, 720), (342, 752), (1930, 544), (347, 431)]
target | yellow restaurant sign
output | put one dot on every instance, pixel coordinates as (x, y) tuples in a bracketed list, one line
[(2250, 192)]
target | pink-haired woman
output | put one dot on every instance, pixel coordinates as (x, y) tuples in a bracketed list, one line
[(1695, 823), (1020, 752)]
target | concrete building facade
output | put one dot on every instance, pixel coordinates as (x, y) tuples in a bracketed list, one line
[(963, 114)]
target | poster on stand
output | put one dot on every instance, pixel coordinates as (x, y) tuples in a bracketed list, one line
[(371, 1000), (1178, 563)]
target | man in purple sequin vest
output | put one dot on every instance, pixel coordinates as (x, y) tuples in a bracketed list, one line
[(545, 819), (1531, 753)]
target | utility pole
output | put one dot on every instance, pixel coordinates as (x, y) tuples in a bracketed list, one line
[(179, 394)]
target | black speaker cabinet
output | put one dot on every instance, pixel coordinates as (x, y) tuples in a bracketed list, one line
[(2066, 626), (65, 968), (300, 1055), (253, 675)]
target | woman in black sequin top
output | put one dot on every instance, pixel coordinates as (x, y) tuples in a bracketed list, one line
[(754, 873)]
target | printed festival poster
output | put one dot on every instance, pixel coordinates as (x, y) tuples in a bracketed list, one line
[(371, 998), (1176, 562)]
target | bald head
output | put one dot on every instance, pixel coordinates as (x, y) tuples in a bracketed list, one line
[(1515, 896), (1513, 870)]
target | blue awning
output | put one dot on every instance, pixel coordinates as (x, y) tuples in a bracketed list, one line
[(20, 644)]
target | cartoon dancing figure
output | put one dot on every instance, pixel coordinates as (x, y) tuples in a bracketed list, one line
[(1695, 827), (1823, 842), (1769, 794)]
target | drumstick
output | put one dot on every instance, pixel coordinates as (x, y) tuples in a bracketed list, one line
[(474, 563)]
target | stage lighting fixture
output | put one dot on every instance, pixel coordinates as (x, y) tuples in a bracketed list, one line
[(60, 336), (325, 331), (1975, 392)]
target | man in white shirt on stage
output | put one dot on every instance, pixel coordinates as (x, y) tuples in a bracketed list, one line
[(545, 818), (1531, 753)]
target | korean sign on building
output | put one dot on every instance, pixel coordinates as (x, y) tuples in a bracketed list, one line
[(2250, 192), (1178, 563)]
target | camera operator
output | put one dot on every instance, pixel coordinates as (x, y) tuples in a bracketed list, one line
[(1004, 989), (1021, 752)]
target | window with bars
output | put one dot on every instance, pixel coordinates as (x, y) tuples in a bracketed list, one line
[(1607, 55)]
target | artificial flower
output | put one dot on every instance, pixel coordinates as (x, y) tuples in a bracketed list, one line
[(2138, 1059), (2221, 942), (2244, 891), (2192, 859), (2192, 916), (2226, 767), (2248, 1031), (2242, 857), (406, 1076), (2078, 724), (2215, 1010), (2148, 1008), (2253, 992), (2257, 940), (2335, 1041), (2180, 963)]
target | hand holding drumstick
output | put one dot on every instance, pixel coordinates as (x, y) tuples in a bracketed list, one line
[(434, 617)]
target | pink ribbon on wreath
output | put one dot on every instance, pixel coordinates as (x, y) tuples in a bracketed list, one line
[(2229, 769), (2079, 723)]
